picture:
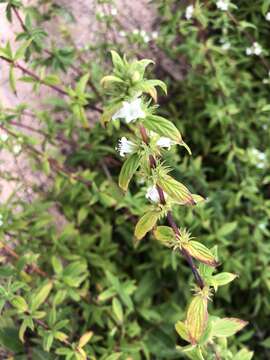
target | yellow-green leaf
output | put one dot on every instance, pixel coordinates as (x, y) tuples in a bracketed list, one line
[(162, 127), (164, 234), (176, 190), (40, 296), (146, 223), (118, 309), (182, 330), (128, 170), (110, 78), (197, 318), (227, 327), (200, 252), (85, 338)]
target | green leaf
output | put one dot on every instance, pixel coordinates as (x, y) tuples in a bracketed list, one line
[(162, 127), (164, 234), (114, 356), (223, 278), (118, 310), (243, 354), (12, 81), (85, 338), (200, 252), (176, 190), (146, 223), (20, 304), (128, 169), (40, 296), (116, 60), (227, 327), (182, 330), (197, 318), (109, 79), (227, 229)]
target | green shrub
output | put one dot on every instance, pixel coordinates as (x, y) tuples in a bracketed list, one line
[(75, 283)]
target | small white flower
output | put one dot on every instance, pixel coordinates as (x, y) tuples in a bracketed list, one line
[(152, 194), (122, 33), (267, 16), (143, 33), (135, 32), (130, 111), (154, 35), (189, 12), (262, 226), (3, 137), (101, 14), (1, 221), (257, 48), (125, 146), (146, 38), (113, 11), (165, 142), (16, 149), (226, 46), (222, 5), (249, 51), (260, 158)]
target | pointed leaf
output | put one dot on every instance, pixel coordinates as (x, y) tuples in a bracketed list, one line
[(227, 327), (197, 317), (128, 169), (200, 252), (162, 127), (182, 330), (177, 191), (165, 234), (146, 223), (40, 296)]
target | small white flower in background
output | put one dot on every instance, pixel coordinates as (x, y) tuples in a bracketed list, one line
[(135, 32), (260, 158), (189, 12), (165, 142), (146, 38), (267, 16), (152, 194), (3, 137), (154, 35), (101, 14), (122, 33), (125, 146), (113, 11), (130, 111), (226, 46), (1, 220), (262, 226), (16, 149), (255, 49), (223, 5)]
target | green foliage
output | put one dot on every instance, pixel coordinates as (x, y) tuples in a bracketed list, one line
[(78, 284)]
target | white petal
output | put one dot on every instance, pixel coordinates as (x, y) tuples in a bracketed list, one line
[(152, 194), (165, 142)]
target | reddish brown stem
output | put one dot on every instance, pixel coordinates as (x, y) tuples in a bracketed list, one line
[(170, 219)]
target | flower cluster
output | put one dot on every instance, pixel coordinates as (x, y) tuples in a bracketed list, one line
[(145, 37), (223, 5), (255, 49), (189, 12)]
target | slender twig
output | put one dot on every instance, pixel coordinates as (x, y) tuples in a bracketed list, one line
[(170, 219)]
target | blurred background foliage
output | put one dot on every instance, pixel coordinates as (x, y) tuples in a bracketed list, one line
[(76, 232)]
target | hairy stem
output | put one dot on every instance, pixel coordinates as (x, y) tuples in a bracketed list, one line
[(170, 220)]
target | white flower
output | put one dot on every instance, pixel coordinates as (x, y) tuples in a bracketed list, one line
[(255, 49), (130, 111), (125, 146), (154, 35), (189, 12), (222, 5), (122, 33), (135, 32), (249, 51), (146, 38), (3, 137), (152, 194), (267, 16), (17, 149), (1, 220), (260, 158), (262, 226), (226, 46), (143, 33), (165, 142), (113, 11)]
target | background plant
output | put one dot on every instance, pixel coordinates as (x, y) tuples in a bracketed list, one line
[(126, 299)]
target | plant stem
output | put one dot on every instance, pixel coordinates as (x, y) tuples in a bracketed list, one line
[(170, 219)]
